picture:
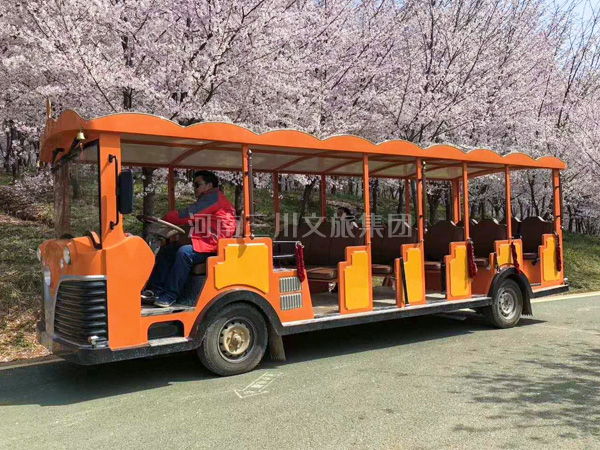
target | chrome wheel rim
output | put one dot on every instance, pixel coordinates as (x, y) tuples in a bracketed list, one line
[(236, 339)]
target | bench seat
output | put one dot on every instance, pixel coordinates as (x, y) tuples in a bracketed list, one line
[(433, 265), (322, 273), (381, 269)]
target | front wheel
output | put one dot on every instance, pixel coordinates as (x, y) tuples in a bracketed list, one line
[(235, 340), (507, 305)]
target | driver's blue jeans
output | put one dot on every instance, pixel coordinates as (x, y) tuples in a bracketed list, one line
[(172, 269)]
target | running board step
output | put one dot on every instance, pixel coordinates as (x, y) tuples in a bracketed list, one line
[(167, 341), (157, 311)]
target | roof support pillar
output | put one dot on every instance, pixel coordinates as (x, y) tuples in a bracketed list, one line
[(276, 201), (420, 188), (508, 204), (367, 200), (456, 201), (557, 197), (247, 180), (465, 177), (323, 192), (110, 167), (407, 199)]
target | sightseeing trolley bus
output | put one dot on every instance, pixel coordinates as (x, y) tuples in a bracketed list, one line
[(257, 289)]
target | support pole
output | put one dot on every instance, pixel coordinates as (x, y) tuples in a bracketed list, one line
[(407, 197), (557, 196), (366, 195), (456, 201), (420, 217), (323, 191), (276, 200), (247, 187), (171, 189), (508, 205), (465, 177)]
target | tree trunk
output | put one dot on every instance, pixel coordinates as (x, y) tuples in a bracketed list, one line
[(374, 195), (238, 199), (75, 184), (306, 197), (521, 210), (149, 194), (400, 206), (62, 201), (570, 212), (531, 182)]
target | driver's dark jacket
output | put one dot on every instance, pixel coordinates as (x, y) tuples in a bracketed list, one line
[(212, 217)]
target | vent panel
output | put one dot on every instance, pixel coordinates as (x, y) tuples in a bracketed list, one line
[(291, 301), (289, 284)]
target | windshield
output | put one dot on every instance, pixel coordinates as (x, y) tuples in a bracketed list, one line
[(84, 194)]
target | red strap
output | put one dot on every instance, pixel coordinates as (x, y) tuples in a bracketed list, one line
[(513, 251), (471, 259), (558, 255), (300, 261)]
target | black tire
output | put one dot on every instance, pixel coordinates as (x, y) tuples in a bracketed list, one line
[(507, 305), (227, 334)]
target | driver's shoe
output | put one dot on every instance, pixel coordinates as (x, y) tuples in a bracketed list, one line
[(148, 297), (163, 302)]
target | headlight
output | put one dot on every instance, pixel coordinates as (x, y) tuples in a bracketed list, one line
[(67, 255), (39, 254), (47, 276)]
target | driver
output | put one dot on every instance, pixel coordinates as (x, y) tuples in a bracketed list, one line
[(212, 217)]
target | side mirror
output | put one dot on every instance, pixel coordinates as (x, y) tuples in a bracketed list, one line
[(125, 195)]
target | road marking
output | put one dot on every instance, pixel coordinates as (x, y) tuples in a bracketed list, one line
[(567, 297), (258, 386)]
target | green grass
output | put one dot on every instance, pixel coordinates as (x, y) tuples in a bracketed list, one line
[(20, 288), (582, 261), (5, 179)]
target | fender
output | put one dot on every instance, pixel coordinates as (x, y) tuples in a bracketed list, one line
[(226, 298), (523, 282)]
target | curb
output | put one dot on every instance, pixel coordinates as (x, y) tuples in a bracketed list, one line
[(29, 362), (566, 297)]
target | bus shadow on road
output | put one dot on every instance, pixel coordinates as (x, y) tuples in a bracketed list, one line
[(63, 383), (363, 338)]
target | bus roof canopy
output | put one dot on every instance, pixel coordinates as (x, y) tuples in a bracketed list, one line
[(153, 141)]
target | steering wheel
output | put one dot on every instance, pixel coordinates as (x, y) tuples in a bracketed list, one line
[(158, 230), (151, 219)]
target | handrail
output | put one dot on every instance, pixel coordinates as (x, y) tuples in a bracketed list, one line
[(112, 158), (92, 235)]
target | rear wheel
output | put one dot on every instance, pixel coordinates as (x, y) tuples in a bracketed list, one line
[(235, 340), (507, 305)]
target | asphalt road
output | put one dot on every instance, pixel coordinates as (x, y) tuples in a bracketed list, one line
[(423, 383)]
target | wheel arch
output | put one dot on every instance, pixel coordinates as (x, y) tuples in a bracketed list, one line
[(235, 296), (522, 281)]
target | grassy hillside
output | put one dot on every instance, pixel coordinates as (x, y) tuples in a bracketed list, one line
[(20, 271)]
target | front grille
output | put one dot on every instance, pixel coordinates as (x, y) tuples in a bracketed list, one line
[(81, 311)]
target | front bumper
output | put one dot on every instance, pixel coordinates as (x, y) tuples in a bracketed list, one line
[(89, 356)]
